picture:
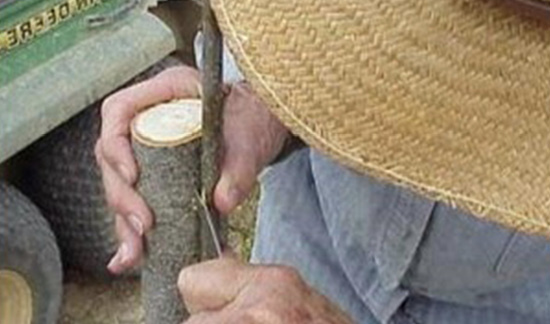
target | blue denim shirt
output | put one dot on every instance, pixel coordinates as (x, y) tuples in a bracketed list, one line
[(391, 256)]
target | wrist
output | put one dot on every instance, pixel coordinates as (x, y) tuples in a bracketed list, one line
[(291, 144)]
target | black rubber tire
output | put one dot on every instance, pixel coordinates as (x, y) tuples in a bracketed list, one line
[(28, 247), (59, 173)]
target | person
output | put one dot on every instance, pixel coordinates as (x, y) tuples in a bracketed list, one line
[(333, 245)]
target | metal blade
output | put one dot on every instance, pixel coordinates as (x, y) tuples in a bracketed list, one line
[(216, 240)]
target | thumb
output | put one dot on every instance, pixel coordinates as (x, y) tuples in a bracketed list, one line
[(238, 175), (211, 285)]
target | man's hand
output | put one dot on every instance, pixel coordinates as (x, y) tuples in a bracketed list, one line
[(115, 157), (252, 138), (228, 291)]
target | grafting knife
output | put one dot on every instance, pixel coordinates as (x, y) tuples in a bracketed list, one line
[(216, 239)]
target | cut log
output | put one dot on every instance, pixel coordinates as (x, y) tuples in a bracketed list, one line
[(166, 142)]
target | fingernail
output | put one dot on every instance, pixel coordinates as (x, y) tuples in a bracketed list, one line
[(230, 193), (125, 172), (123, 251), (114, 262), (136, 223), (117, 258), (235, 195)]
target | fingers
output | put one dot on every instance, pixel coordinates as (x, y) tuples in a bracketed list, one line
[(118, 148), (242, 129), (125, 200), (238, 175), (132, 220), (119, 109), (130, 250), (214, 284), (115, 156), (252, 138)]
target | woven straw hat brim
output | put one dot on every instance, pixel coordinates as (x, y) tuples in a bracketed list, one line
[(448, 97)]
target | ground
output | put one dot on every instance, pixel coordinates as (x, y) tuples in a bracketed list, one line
[(92, 301), (95, 301)]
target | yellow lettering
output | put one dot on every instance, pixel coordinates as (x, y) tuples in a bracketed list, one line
[(25, 31), (81, 4), (51, 17), (38, 23), (64, 11), (12, 38), (43, 21), (3, 41)]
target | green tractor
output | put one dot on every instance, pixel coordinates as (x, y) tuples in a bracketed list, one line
[(58, 59)]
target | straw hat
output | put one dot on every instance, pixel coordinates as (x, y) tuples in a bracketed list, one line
[(448, 97)]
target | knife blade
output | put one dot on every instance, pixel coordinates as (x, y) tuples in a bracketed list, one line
[(214, 233)]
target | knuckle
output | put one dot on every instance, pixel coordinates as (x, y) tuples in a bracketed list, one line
[(182, 279), (185, 280), (147, 220), (114, 201), (283, 275), (182, 72), (108, 148), (107, 103), (113, 151), (118, 99), (267, 313)]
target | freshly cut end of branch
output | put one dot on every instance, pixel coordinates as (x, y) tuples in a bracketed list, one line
[(168, 124)]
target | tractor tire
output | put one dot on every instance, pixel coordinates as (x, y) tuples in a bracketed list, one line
[(59, 173), (30, 265)]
